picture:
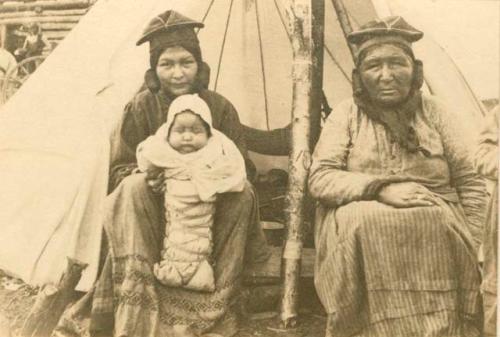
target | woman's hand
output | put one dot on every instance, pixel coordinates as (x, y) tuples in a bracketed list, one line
[(155, 178), (406, 194)]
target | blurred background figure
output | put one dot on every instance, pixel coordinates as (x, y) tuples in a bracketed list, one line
[(34, 43), (7, 62)]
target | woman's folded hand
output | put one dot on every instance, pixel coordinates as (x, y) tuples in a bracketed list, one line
[(406, 194), (155, 179)]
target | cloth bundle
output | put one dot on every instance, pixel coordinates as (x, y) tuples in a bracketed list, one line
[(192, 182)]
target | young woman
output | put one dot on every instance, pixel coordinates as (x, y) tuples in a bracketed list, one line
[(128, 299)]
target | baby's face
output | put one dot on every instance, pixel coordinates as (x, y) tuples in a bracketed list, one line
[(187, 133)]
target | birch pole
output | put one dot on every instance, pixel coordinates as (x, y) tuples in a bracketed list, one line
[(51, 302), (318, 36), (300, 19)]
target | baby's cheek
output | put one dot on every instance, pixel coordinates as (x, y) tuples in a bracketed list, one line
[(203, 140)]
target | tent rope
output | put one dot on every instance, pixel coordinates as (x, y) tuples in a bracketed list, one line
[(328, 51), (208, 11), (351, 17), (282, 20), (205, 15), (325, 106), (262, 65), (223, 44)]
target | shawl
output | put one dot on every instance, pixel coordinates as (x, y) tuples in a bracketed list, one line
[(218, 167), (398, 121)]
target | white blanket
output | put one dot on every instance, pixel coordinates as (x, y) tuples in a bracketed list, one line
[(192, 182)]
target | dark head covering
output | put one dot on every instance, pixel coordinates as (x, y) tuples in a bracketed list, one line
[(389, 30), (393, 30), (168, 22), (170, 29)]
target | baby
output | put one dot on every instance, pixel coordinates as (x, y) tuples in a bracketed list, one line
[(198, 163)]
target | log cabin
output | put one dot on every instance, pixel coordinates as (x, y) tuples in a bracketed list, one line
[(55, 17)]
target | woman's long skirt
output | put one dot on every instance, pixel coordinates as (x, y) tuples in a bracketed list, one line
[(490, 249), (131, 302), (383, 271)]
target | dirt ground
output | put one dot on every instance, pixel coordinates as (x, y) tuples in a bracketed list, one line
[(309, 325), (16, 299), (311, 318)]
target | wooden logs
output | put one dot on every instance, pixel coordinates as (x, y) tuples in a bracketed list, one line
[(51, 302), (55, 18), (17, 6), (56, 35), (52, 13), (73, 20)]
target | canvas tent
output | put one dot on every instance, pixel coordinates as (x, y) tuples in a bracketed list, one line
[(54, 133)]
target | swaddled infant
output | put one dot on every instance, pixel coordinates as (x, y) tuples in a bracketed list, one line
[(199, 162)]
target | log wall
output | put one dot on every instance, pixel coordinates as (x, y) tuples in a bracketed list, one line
[(56, 17)]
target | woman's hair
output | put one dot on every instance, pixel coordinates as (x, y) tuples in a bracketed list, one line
[(206, 126), (151, 78), (193, 49)]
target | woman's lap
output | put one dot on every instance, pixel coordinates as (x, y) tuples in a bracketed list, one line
[(134, 220), (135, 226), (376, 263)]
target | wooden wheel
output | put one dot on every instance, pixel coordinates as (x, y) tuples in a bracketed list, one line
[(15, 78)]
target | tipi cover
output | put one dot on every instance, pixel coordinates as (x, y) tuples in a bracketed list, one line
[(54, 133)]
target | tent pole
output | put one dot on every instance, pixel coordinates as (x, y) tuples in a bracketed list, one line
[(318, 35), (345, 23), (300, 20)]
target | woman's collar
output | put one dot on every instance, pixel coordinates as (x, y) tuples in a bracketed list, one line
[(165, 97)]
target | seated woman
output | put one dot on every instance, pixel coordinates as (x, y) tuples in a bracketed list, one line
[(128, 299), (400, 206)]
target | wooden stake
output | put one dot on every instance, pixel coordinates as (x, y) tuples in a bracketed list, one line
[(300, 19), (51, 302), (318, 31), (345, 23)]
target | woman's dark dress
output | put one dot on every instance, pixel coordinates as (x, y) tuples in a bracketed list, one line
[(127, 297)]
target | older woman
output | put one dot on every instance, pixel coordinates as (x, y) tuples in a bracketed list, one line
[(128, 299), (400, 206)]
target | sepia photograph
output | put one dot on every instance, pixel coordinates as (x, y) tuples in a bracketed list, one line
[(249, 168)]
